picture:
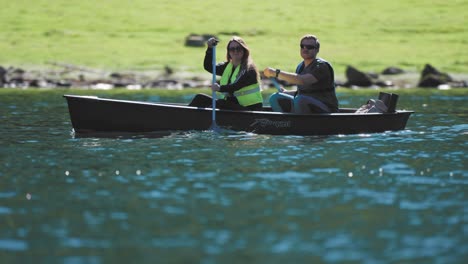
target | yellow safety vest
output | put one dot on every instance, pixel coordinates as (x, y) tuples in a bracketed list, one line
[(246, 96)]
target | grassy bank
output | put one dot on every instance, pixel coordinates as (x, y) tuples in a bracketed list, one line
[(149, 34)]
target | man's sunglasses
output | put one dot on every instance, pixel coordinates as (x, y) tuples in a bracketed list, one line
[(309, 47), (238, 49)]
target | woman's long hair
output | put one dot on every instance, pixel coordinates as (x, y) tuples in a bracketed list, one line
[(247, 62)]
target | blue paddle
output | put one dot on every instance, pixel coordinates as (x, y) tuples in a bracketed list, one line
[(214, 126), (276, 84)]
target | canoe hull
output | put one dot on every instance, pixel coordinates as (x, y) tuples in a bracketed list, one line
[(92, 114)]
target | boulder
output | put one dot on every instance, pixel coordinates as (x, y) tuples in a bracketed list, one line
[(357, 78), (195, 40), (2, 76), (392, 71), (431, 77), (15, 75)]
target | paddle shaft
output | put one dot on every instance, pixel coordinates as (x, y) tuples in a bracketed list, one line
[(276, 84), (213, 114)]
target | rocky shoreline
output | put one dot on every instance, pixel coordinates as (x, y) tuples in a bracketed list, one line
[(62, 75)]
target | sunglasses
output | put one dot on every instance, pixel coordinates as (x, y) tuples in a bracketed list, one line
[(309, 47), (238, 49)]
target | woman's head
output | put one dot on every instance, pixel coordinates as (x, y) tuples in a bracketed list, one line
[(237, 49), (239, 53)]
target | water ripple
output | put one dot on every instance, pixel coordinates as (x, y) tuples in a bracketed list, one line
[(243, 186), (398, 169), (5, 210), (419, 180), (76, 242), (13, 245), (289, 175)]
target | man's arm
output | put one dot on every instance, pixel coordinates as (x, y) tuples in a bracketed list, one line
[(292, 78)]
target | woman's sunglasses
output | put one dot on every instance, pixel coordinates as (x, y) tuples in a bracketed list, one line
[(309, 47), (238, 49)]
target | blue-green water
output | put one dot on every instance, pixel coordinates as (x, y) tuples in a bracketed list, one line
[(199, 197)]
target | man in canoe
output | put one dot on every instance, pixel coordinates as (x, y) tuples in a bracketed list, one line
[(315, 82), (239, 87)]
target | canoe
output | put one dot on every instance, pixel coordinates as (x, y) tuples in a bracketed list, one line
[(91, 114)]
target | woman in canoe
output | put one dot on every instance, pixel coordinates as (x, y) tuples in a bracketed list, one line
[(239, 87)]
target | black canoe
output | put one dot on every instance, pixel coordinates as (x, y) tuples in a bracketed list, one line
[(91, 114)]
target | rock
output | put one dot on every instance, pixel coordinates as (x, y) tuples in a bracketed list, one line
[(36, 83), (357, 78), (386, 83), (168, 70), (63, 83), (119, 80), (2, 76), (16, 76), (195, 40), (102, 86), (392, 71), (431, 80), (165, 83), (116, 75), (431, 77)]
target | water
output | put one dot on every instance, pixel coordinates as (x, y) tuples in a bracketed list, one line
[(199, 197)]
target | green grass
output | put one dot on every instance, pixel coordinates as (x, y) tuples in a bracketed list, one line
[(149, 34)]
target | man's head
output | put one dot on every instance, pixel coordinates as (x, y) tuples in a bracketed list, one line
[(310, 46)]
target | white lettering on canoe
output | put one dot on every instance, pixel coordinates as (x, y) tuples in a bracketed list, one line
[(264, 122)]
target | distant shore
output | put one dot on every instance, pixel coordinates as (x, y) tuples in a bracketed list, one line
[(62, 75)]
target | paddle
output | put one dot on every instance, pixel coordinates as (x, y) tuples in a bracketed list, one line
[(214, 126), (276, 84)]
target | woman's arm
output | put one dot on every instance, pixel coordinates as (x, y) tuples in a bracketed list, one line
[(207, 63)]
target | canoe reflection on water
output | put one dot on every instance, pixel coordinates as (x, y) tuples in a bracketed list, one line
[(91, 114)]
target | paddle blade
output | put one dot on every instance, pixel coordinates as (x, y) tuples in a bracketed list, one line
[(214, 127), (219, 130)]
